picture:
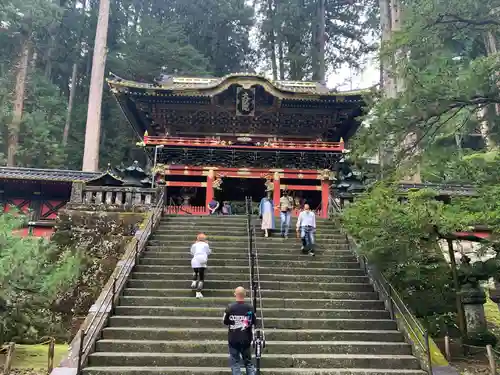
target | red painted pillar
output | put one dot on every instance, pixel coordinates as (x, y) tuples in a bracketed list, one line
[(325, 194), (276, 194), (210, 189)]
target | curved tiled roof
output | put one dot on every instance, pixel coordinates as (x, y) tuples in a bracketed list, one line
[(191, 86), (43, 174)]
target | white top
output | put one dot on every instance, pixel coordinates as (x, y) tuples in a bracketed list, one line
[(200, 252), (306, 218)]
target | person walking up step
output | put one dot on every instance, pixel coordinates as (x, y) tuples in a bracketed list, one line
[(306, 226), (286, 206), (200, 251), (240, 319)]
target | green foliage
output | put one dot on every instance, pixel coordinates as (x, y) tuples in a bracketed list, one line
[(173, 37), (447, 76), (292, 24), (33, 273), (165, 46), (401, 239), (481, 339)]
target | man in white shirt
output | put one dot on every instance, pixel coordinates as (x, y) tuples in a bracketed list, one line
[(306, 226)]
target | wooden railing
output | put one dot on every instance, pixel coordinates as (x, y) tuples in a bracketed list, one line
[(306, 145), (114, 196)]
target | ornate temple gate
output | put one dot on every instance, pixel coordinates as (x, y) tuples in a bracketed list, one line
[(271, 178), (201, 131)]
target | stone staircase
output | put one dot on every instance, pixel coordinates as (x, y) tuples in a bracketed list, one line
[(322, 316)]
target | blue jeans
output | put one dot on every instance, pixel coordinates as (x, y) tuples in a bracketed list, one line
[(285, 218), (307, 235), (236, 354)]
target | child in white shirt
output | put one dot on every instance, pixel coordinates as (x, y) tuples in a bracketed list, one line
[(200, 252)]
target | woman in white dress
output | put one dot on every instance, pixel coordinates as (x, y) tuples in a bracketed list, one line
[(266, 213)]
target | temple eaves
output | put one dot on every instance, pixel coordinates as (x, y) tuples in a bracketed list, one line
[(191, 86)]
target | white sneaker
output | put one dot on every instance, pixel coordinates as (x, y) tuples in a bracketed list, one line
[(199, 295), (193, 284)]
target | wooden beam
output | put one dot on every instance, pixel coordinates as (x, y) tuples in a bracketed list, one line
[(301, 187), (270, 171), (295, 146), (186, 184), (243, 172)]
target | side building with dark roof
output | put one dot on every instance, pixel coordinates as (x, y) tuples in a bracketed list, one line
[(39, 193)]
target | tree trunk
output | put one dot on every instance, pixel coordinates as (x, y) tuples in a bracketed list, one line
[(281, 58), (322, 41), (48, 63), (32, 64), (281, 46), (491, 49), (74, 76), (397, 81), (71, 101), (319, 68), (385, 26), (93, 126), (314, 45), (272, 38), (18, 103), (397, 85)]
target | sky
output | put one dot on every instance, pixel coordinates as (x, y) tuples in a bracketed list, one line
[(343, 79), (346, 79)]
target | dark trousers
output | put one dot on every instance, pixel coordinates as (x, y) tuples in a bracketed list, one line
[(199, 277), (237, 354), (307, 237)]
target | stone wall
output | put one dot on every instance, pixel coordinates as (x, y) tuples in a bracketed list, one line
[(100, 238)]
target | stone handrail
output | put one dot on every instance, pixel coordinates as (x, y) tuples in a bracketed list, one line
[(90, 330)]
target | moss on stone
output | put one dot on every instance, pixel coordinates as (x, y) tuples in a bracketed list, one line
[(100, 239)]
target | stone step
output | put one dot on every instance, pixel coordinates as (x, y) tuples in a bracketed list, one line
[(211, 220), (224, 371), (243, 277), (266, 312), (234, 219), (198, 334), (234, 231), (295, 244), (220, 231), (289, 294), (157, 264), (243, 255), (270, 285), (273, 347), (269, 360), (278, 323), (269, 302), (229, 238), (264, 250), (261, 248), (215, 270)]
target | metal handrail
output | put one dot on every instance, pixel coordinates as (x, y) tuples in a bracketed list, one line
[(258, 285), (398, 309), (259, 337), (396, 305), (107, 305)]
